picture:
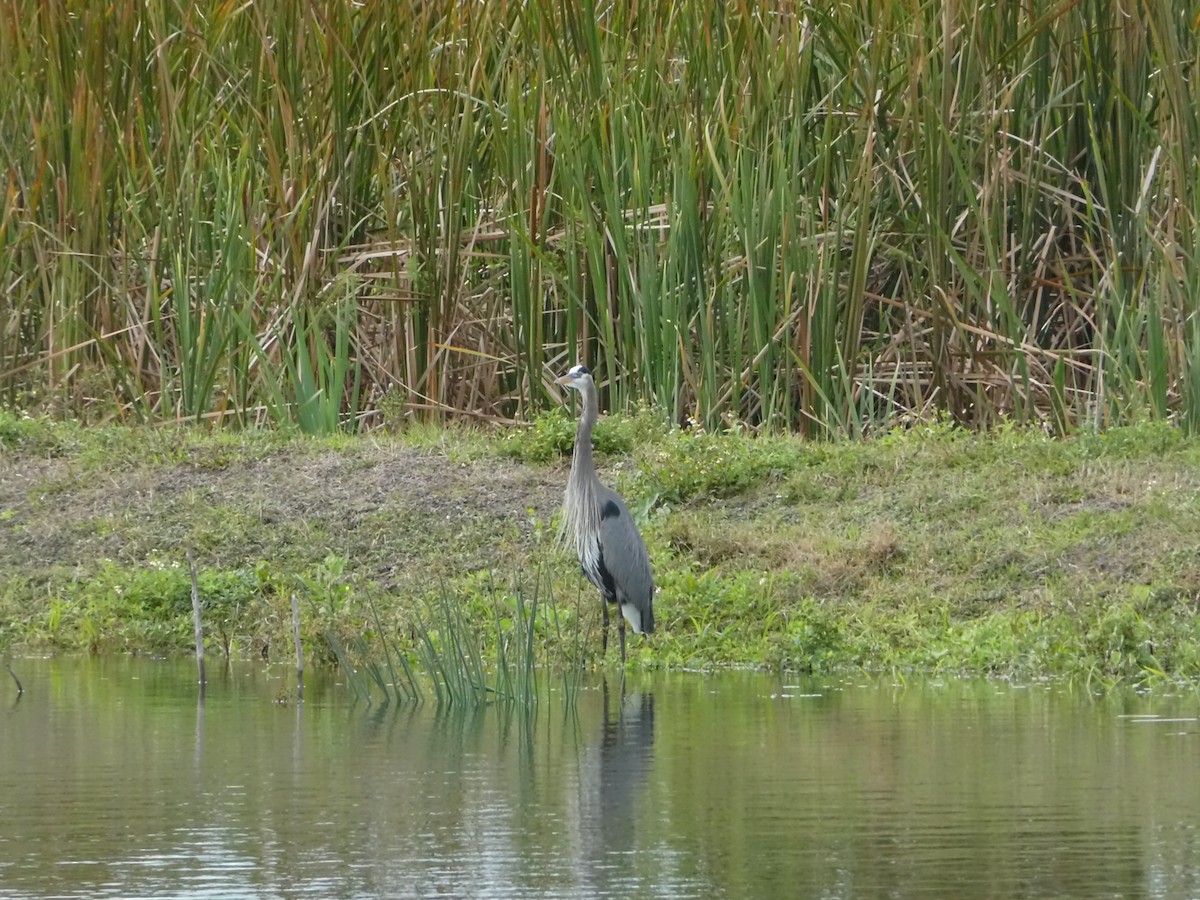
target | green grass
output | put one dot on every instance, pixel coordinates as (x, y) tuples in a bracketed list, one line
[(932, 549), (820, 218)]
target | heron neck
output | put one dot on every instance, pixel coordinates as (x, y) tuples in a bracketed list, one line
[(581, 515), (582, 464)]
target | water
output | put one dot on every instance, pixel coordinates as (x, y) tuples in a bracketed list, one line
[(115, 782)]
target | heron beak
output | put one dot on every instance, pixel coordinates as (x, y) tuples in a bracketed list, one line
[(564, 380)]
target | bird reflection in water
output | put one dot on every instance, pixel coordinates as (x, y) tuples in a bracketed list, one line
[(613, 775)]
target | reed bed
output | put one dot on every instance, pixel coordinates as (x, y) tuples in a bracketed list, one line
[(824, 218), (462, 663)]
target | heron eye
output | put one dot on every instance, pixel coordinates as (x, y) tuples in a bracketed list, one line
[(582, 370)]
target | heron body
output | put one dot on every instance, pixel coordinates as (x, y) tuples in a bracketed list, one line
[(611, 551)]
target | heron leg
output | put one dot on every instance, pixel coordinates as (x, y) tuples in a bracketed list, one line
[(604, 630), (621, 629)]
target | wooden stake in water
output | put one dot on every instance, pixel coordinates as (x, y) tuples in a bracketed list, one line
[(20, 687), (299, 649), (196, 619)]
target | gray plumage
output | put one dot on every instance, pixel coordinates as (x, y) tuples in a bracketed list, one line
[(610, 547)]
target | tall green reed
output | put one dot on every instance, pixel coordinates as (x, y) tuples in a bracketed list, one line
[(462, 659), (804, 217)]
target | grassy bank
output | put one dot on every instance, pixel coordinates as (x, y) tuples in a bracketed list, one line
[(809, 217), (929, 549)]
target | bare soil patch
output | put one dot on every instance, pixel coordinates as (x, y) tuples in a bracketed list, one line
[(379, 504)]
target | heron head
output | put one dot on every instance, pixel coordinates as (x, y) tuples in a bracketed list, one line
[(576, 377)]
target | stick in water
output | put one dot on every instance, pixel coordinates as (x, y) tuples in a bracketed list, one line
[(196, 619), (20, 689), (299, 650)]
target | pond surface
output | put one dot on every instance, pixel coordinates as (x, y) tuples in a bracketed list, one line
[(116, 782)]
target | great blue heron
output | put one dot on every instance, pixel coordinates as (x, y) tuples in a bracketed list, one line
[(611, 551)]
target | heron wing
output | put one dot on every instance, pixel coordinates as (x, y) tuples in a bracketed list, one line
[(623, 552)]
